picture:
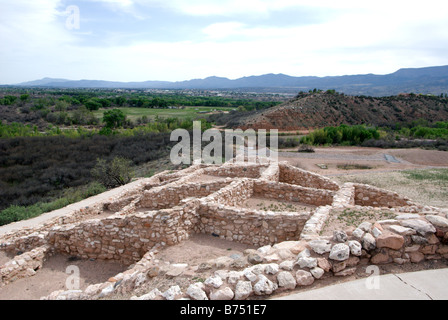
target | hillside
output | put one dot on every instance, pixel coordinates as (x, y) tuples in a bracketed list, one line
[(315, 110)]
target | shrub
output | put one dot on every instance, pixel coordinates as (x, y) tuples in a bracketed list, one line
[(114, 174), (306, 148)]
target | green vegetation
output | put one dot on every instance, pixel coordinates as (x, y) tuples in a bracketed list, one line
[(419, 133), (72, 195), (342, 135), (353, 166), (114, 174)]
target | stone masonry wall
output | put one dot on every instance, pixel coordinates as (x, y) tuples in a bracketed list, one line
[(23, 266), (233, 194), (238, 170), (167, 197), (125, 238), (288, 192), (293, 175), (250, 226), (366, 195)]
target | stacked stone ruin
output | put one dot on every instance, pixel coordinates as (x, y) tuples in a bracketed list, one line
[(170, 207)]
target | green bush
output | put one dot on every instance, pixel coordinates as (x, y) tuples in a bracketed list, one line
[(342, 135)]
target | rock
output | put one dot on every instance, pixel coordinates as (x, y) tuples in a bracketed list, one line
[(152, 295), (265, 249), (243, 290), (390, 240), (368, 242), (304, 278), (416, 256), (422, 227), (264, 286), (407, 216), (324, 264), (294, 246), (153, 272), (380, 258), (254, 258), (258, 269), (365, 226), (176, 270), (403, 231), (107, 291), (428, 249), (320, 246), (355, 248), (305, 261), (271, 268), (340, 252), (286, 280), (346, 272), (239, 264), (222, 294), (339, 266), (196, 291), (252, 277), (358, 234), (376, 232), (234, 276), (419, 240), (317, 272), (271, 258), (339, 236), (287, 265), (172, 293), (214, 281), (437, 221)]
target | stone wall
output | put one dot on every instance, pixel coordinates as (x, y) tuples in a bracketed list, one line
[(125, 238), (250, 226), (23, 266), (170, 196), (233, 194), (366, 195), (297, 176), (248, 170), (294, 193)]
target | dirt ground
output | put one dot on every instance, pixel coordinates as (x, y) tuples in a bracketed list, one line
[(372, 157), (54, 274), (264, 204)]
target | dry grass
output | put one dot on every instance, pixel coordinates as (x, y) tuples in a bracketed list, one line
[(426, 186)]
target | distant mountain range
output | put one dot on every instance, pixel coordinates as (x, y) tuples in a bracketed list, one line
[(428, 80)]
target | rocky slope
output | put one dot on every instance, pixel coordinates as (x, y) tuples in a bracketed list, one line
[(315, 110)]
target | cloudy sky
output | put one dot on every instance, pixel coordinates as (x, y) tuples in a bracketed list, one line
[(174, 40)]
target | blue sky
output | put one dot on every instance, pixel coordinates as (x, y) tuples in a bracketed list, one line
[(174, 40)]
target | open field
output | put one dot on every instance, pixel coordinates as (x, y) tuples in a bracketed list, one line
[(421, 175), (188, 112)]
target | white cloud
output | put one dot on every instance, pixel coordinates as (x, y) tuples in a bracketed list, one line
[(362, 38)]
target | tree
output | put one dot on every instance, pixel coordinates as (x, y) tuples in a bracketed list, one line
[(93, 104), (114, 174), (114, 118)]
